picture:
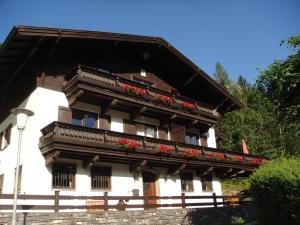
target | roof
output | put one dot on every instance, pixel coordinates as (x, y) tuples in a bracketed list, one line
[(24, 41)]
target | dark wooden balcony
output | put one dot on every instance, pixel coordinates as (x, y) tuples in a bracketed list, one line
[(90, 144), (98, 87)]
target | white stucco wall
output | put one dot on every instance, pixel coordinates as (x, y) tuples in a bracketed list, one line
[(37, 179)]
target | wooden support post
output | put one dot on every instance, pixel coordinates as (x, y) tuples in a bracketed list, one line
[(215, 200), (56, 201), (183, 200), (146, 202), (105, 201)]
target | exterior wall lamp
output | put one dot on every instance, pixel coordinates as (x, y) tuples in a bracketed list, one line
[(22, 116)]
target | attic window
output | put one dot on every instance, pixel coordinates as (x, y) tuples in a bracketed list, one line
[(143, 73)]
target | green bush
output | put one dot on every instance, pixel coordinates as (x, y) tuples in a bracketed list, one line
[(275, 189)]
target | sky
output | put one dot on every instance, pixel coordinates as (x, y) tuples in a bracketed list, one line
[(243, 35)]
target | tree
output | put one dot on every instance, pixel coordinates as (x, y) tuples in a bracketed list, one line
[(281, 83), (221, 76), (256, 123)]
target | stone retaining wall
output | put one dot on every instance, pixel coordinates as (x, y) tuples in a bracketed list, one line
[(207, 216)]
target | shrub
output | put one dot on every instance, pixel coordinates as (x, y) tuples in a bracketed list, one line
[(275, 189)]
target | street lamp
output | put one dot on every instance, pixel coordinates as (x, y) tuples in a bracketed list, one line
[(22, 115)]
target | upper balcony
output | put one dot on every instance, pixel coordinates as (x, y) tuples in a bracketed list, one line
[(90, 144), (92, 85)]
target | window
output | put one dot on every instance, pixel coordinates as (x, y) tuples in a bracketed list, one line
[(83, 118), (1, 182), (191, 139), (63, 176), (1, 137), (150, 131), (207, 183), (7, 135), (145, 129), (187, 182), (203, 139), (101, 178)]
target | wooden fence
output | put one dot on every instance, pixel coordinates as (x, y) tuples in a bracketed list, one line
[(101, 203)]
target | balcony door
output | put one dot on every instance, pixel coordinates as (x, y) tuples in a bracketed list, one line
[(149, 185)]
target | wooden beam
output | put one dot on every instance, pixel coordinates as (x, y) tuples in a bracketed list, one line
[(90, 161), (137, 166), (108, 106), (173, 117), (176, 170), (224, 173), (75, 96), (50, 158), (205, 171), (136, 113), (20, 67)]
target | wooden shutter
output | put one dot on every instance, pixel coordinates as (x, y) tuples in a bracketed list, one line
[(8, 134), (163, 133), (129, 127), (1, 182), (178, 134), (64, 114), (104, 122), (1, 137), (203, 140)]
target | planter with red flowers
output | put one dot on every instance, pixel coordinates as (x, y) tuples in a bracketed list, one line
[(215, 156), (163, 149), (256, 161), (132, 89), (184, 104), (193, 153), (165, 99), (236, 158), (128, 144)]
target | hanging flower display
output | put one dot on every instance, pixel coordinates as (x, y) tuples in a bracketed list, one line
[(124, 143), (217, 156), (235, 158), (192, 153), (163, 149), (133, 90), (165, 99), (184, 104), (256, 161)]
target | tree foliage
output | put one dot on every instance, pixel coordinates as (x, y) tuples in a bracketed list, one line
[(270, 120), (275, 189)]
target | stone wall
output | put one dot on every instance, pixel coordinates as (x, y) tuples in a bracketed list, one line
[(207, 216)]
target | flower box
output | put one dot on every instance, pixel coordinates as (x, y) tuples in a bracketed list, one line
[(127, 144)]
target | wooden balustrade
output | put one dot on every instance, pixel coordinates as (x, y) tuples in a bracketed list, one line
[(80, 134), (115, 83), (106, 202)]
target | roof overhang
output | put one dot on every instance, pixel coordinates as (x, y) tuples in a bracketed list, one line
[(24, 41)]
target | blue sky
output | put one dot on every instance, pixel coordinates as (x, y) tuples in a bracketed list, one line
[(241, 34)]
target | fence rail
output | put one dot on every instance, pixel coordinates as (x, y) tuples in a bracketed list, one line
[(103, 203)]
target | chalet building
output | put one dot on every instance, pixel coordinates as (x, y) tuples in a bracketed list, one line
[(124, 114)]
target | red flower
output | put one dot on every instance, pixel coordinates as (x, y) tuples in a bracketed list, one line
[(163, 149), (165, 99), (133, 89), (128, 144), (217, 156), (256, 161), (192, 153)]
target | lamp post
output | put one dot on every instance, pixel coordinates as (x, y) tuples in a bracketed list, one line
[(22, 115)]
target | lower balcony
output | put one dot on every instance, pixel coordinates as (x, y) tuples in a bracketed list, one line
[(90, 145)]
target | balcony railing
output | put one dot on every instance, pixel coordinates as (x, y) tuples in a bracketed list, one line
[(139, 144), (141, 91)]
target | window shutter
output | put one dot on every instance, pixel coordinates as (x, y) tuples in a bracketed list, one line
[(8, 134), (64, 114), (129, 127), (178, 134), (203, 140), (163, 133), (104, 122)]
